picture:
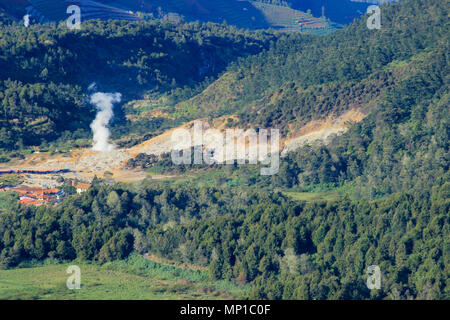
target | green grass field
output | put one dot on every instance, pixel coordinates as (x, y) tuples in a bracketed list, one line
[(136, 279)]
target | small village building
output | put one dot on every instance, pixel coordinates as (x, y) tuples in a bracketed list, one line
[(37, 196), (82, 187)]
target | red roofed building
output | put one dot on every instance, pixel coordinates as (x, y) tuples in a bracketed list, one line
[(36, 196), (82, 187), (31, 202)]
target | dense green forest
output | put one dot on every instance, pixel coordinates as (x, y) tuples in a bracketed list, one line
[(322, 72), (39, 63), (286, 250), (398, 75), (402, 144)]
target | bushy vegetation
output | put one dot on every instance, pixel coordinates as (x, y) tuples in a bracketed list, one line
[(282, 248), (319, 74), (398, 75), (395, 162), (46, 70), (321, 250)]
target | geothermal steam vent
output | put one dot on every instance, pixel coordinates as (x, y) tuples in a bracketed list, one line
[(104, 103)]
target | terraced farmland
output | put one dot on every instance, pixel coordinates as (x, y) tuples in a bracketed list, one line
[(54, 11), (287, 19)]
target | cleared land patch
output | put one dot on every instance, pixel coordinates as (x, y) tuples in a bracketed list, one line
[(133, 279)]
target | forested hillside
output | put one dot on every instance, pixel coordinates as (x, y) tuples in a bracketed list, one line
[(392, 166), (300, 64), (39, 63), (398, 75), (285, 250)]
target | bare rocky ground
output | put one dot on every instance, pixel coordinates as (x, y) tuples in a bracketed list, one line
[(322, 131), (85, 164)]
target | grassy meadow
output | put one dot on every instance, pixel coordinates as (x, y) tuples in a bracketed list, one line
[(135, 278)]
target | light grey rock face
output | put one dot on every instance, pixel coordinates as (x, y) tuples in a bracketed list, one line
[(101, 161), (323, 136)]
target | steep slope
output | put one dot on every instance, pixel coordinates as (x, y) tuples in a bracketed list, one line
[(303, 77), (393, 163), (397, 77), (45, 72), (340, 11), (243, 14)]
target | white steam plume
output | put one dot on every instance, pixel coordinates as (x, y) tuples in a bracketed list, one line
[(26, 20), (104, 103), (92, 87)]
